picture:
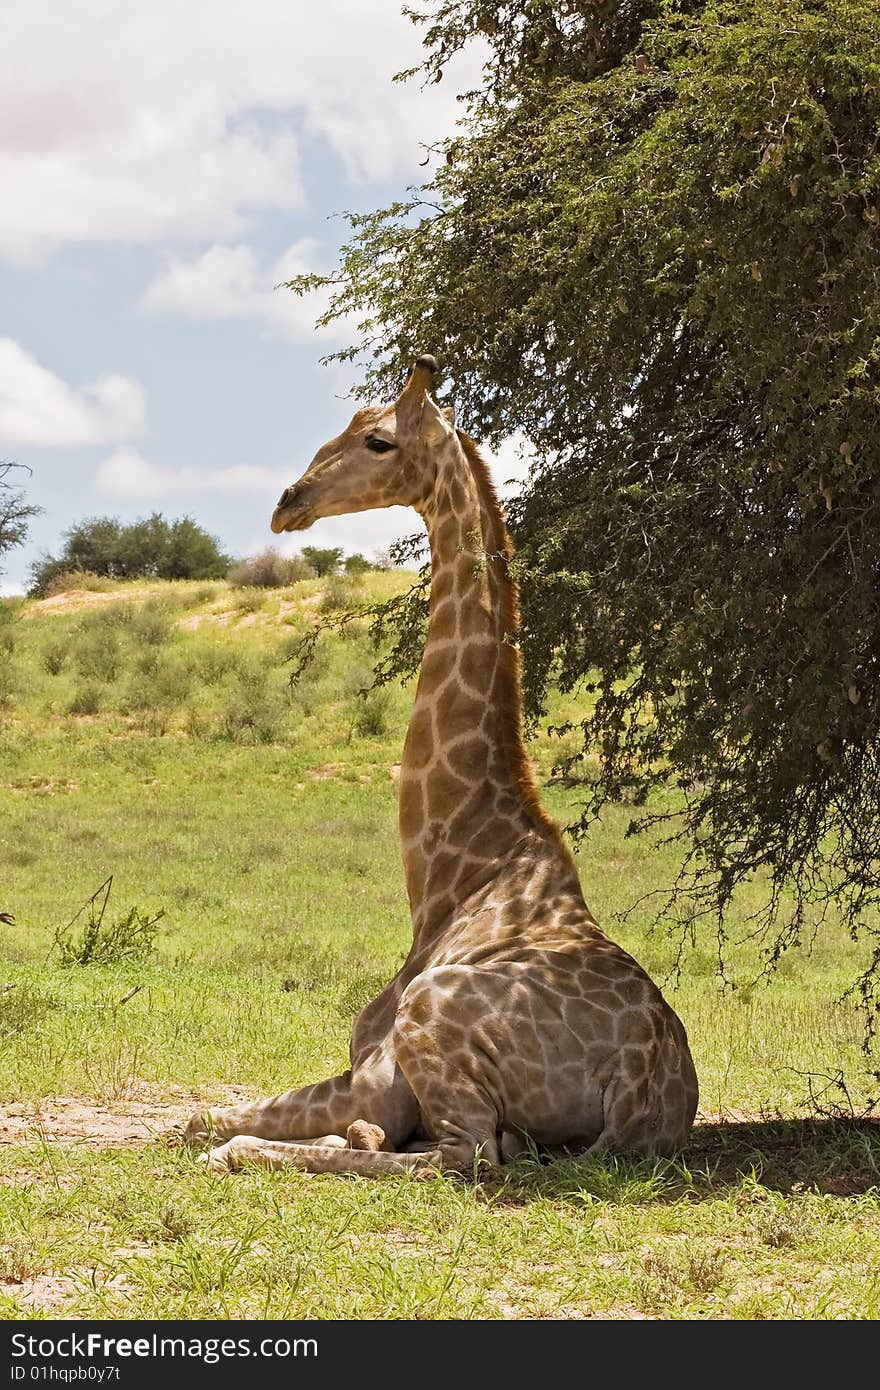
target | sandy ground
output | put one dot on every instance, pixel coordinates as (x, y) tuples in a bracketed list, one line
[(116, 1124)]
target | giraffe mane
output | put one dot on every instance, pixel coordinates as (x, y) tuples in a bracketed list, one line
[(500, 549)]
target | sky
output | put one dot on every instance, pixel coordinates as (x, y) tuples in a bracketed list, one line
[(163, 167)]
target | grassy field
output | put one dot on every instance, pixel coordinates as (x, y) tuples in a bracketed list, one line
[(150, 734)]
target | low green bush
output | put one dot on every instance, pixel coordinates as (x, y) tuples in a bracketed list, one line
[(107, 942)]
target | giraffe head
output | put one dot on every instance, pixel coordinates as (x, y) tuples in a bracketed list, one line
[(385, 458)]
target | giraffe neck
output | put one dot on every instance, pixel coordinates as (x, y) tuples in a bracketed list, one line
[(467, 792)]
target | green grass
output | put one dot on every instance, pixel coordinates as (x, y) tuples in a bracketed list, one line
[(269, 841)]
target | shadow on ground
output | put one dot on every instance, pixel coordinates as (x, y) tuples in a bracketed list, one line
[(837, 1157), (841, 1157)]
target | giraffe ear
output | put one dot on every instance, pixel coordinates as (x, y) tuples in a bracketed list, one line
[(434, 425)]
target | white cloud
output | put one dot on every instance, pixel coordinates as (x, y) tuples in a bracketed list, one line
[(127, 476), (137, 123), (38, 408), (229, 282), (510, 464)]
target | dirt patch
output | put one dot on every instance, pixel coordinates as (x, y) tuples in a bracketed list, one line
[(51, 1293), (42, 786), (328, 772), (54, 1291), (71, 600), (115, 1124)]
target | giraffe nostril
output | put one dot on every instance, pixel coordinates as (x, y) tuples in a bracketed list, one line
[(286, 497)]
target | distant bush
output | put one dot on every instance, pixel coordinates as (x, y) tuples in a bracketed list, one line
[(368, 708), (97, 650), (339, 593), (249, 600), (206, 593), (86, 699), (7, 637), (371, 713), (270, 570), (356, 564), (157, 688), (130, 937), (22, 1008), (56, 654), (151, 624), (254, 711), (151, 548), (8, 684), (211, 662), (65, 580), (323, 562)]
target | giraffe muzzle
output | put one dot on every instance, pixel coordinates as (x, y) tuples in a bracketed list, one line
[(291, 513)]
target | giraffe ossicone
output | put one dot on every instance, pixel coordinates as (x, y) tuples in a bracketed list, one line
[(514, 1019)]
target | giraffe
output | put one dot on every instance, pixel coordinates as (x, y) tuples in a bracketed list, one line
[(514, 1018)]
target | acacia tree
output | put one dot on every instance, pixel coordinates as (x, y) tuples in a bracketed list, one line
[(15, 512), (653, 246)]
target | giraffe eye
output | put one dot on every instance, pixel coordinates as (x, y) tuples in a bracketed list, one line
[(379, 446)]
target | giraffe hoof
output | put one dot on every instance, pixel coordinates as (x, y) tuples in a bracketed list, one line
[(197, 1132), (363, 1135), (219, 1161)]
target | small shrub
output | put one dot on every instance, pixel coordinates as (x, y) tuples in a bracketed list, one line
[(269, 570), (8, 684), (307, 691), (68, 580), (339, 594), (97, 650), (21, 1008), (87, 699), (130, 937), (212, 662), (356, 564), (370, 719), (157, 688), (151, 625), (198, 725), (249, 600), (298, 569), (254, 712), (785, 1226), (56, 654), (205, 593)]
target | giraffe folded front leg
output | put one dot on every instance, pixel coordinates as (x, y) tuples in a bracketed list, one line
[(245, 1150)]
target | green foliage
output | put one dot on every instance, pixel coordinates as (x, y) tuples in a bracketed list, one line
[(22, 1007), (356, 564), (158, 686), (249, 600), (370, 717), (149, 548), (126, 938), (338, 595), (97, 652), (56, 654), (86, 699), (254, 711), (323, 562), (653, 247)]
